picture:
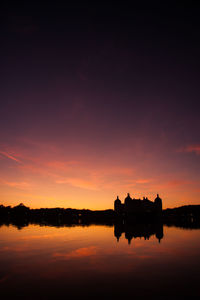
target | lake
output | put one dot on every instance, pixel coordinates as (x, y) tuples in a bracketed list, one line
[(98, 262)]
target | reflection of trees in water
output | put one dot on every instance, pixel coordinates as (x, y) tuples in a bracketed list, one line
[(187, 217), (21, 216), (185, 224)]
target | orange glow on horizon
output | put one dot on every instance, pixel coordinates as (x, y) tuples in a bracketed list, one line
[(41, 178)]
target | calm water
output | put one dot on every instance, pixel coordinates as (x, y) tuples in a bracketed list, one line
[(72, 262)]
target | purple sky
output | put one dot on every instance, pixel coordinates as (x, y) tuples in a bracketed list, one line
[(98, 101)]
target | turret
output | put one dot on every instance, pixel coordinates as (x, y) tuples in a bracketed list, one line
[(118, 229), (128, 199), (117, 205), (158, 202), (159, 232)]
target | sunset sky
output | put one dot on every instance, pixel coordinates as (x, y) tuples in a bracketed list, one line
[(97, 101)]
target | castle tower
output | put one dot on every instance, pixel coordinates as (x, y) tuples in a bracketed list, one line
[(118, 205), (158, 203), (159, 232), (128, 199)]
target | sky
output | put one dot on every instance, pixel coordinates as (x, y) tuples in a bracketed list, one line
[(98, 100)]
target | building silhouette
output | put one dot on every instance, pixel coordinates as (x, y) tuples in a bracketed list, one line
[(137, 207)]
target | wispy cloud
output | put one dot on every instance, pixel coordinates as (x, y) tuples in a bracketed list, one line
[(61, 165), (77, 253), (194, 148), (78, 182), (20, 185), (178, 182), (142, 181), (191, 148), (7, 155)]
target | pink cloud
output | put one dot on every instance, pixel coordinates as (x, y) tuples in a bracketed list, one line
[(81, 252), (142, 181), (38, 170), (20, 185), (10, 156), (78, 182), (191, 148), (61, 164), (174, 183)]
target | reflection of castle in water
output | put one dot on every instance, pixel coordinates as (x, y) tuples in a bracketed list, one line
[(135, 230), (138, 218)]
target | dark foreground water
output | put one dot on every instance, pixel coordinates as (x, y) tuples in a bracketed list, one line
[(41, 262)]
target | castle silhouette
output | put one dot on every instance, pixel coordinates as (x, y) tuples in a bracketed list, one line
[(137, 207)]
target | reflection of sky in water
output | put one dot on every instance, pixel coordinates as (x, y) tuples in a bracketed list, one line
[(47, 261)]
